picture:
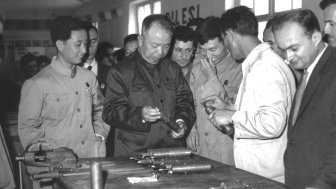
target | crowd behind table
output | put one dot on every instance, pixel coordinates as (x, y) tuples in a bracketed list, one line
[(209, 78)]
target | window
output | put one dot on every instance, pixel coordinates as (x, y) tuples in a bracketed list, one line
[(139, 10), (264, 9)]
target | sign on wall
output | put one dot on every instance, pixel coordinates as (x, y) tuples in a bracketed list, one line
[(183, 15), (20, 51)]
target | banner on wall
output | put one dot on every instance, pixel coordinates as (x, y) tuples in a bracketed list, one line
[(19, 51), (185, 14)]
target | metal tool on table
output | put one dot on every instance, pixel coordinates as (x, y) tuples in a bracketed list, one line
[(41, 158), (162, 152), (187, 168), (227, 129)]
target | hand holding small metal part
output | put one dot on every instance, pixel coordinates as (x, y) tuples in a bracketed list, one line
[(170, 123), (227, 128)]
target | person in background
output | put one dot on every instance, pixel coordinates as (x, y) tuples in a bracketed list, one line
[(42, 62), (142, 87), (216, 74), (105, 54), (264, 99), (118, 56), (62, 104), (100, 70), (310, 158), (329, 19), (183, 48), (194, 23), (131, 43), (268, 36), (28, 66), (6, 173)]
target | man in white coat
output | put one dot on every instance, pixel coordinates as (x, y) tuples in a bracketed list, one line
[(263, 101)]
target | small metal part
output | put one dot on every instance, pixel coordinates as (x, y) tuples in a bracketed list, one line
[(169, 152), (171, 124), (189, 168), (96, 175)]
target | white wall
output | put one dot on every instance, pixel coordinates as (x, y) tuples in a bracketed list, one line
[(180, 10)]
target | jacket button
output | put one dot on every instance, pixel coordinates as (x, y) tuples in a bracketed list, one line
[(290, 142)]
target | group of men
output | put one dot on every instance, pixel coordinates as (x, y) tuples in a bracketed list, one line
[(216, 79)]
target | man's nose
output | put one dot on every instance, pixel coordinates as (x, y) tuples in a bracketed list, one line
[(290, 55), (327, 28), (83, 48)]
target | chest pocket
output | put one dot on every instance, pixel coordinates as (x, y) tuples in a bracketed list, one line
[(56, 106), (141, 95)]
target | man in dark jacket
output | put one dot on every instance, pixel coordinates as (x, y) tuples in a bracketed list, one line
[(144, 85), (310, 157)]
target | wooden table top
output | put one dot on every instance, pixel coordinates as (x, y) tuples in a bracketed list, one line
[(117, 170)]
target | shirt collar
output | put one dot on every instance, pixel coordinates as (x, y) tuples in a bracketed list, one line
[(93, 64), (312, 66), (144, 62), (56, 64)]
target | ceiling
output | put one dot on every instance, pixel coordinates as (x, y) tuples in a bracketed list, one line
[(15, 8)]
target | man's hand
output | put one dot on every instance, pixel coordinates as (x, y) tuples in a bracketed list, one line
[(217, 102), (193, 139), (208, 68), (221, 117), (150, 114), (183, 127)]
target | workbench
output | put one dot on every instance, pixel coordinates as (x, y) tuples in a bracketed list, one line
[(122, 168)]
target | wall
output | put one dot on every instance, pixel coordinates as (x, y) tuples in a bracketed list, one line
[(180, 11)]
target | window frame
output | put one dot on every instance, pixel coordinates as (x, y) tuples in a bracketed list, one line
[(142, 4)]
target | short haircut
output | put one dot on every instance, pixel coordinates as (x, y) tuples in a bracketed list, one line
[(25, 59), (160, 19), (241, 20), (304, 17), (208, 30), (89, 26), (269, 23), (102, 50), (131, 37), (195, 22), (185, 34), (325, 3), (62, 26)]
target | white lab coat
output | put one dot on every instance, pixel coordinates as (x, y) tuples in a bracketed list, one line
[(263, 105)]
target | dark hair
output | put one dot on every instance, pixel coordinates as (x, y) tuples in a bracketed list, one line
[(304, 17), (119, 54), (102, 50), (89, 26), (162, 20), (325, 3), (241, 20), (41, 59), (62, 26), (185, 34), (195, 22), (130, 37), (269, 23), (25, 59), (208, 30)]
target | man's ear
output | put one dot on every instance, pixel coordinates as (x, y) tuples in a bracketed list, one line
[(316, 38), (60, 45), (140, 40)]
